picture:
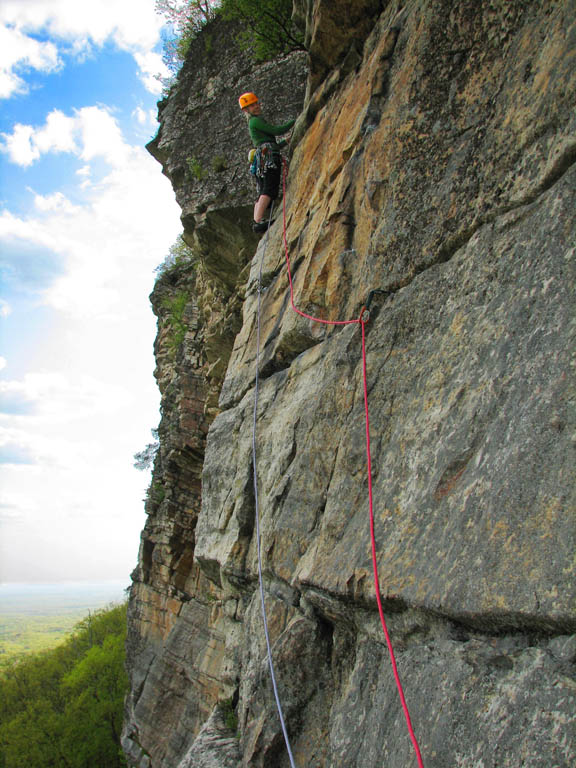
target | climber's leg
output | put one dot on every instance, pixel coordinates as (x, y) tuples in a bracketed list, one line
[(260, 208)]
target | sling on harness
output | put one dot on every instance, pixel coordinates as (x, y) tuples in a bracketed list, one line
[(265, 159)]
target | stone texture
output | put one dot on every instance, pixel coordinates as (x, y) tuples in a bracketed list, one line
[(215, 746), (433, 159)]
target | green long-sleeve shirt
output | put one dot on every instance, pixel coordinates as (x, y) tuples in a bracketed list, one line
[(261, 131)]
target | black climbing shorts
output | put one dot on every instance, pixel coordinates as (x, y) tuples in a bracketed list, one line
[(270, 183)]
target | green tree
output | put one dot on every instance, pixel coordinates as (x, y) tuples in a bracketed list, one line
[(267, 26), (185, 18), (179, 254), (63, 708), (95, 690), (33, 737), (145, 459)]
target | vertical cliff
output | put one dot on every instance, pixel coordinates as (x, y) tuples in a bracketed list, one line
[(433, 159)]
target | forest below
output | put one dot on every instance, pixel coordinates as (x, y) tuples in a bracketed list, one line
[(64, 707)]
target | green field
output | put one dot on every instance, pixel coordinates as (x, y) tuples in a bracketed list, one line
[(22, 634), (39, 617)]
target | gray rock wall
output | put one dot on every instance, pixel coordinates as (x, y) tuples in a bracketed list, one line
[(433, 159)]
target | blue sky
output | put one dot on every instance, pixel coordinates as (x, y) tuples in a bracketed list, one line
[(85, 217)]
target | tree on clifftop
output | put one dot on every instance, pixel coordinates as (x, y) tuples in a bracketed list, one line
[(265, 26), (186, 17), (268, 27)]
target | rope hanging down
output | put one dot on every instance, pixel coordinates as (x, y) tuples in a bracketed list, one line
[(257, 509), (362, 323)]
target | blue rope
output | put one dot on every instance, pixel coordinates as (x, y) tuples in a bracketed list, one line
[(254, 465)]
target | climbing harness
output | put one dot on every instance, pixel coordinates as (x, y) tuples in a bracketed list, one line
[(361, 321), (256, 505), (265, 158)]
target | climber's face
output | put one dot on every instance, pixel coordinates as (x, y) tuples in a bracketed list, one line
[(254, 109)]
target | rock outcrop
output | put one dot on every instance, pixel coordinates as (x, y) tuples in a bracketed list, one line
[(433, 160)]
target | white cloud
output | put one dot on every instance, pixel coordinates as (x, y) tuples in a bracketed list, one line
[(10, 511), (19, 53), (145, 117), (55, 202), (66, 424), (40, 232), (66, 462), (80, 397), (110, 244), (90, 133), (85, 173), (75, 27), (101, 136), (57, 394), (19, 145), (133, 24), (5, 310), (26, 143), (14, 453), (73, 425), (57, 135), (152, 69)]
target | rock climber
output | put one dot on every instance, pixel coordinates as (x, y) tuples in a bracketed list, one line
[(267, 163)]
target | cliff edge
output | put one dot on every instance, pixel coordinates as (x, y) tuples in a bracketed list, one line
[(433, 160)]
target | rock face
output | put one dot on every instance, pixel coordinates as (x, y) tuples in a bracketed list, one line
[(433, 160)]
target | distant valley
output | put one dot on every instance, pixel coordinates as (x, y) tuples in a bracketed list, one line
[(36, 617)]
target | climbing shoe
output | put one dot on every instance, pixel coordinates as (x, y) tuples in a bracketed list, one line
[(261, 226)]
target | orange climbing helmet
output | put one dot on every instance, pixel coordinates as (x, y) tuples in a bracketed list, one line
[(247, 99)]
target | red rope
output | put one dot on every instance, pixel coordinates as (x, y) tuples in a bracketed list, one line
[(362, 323), (294, 307)]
